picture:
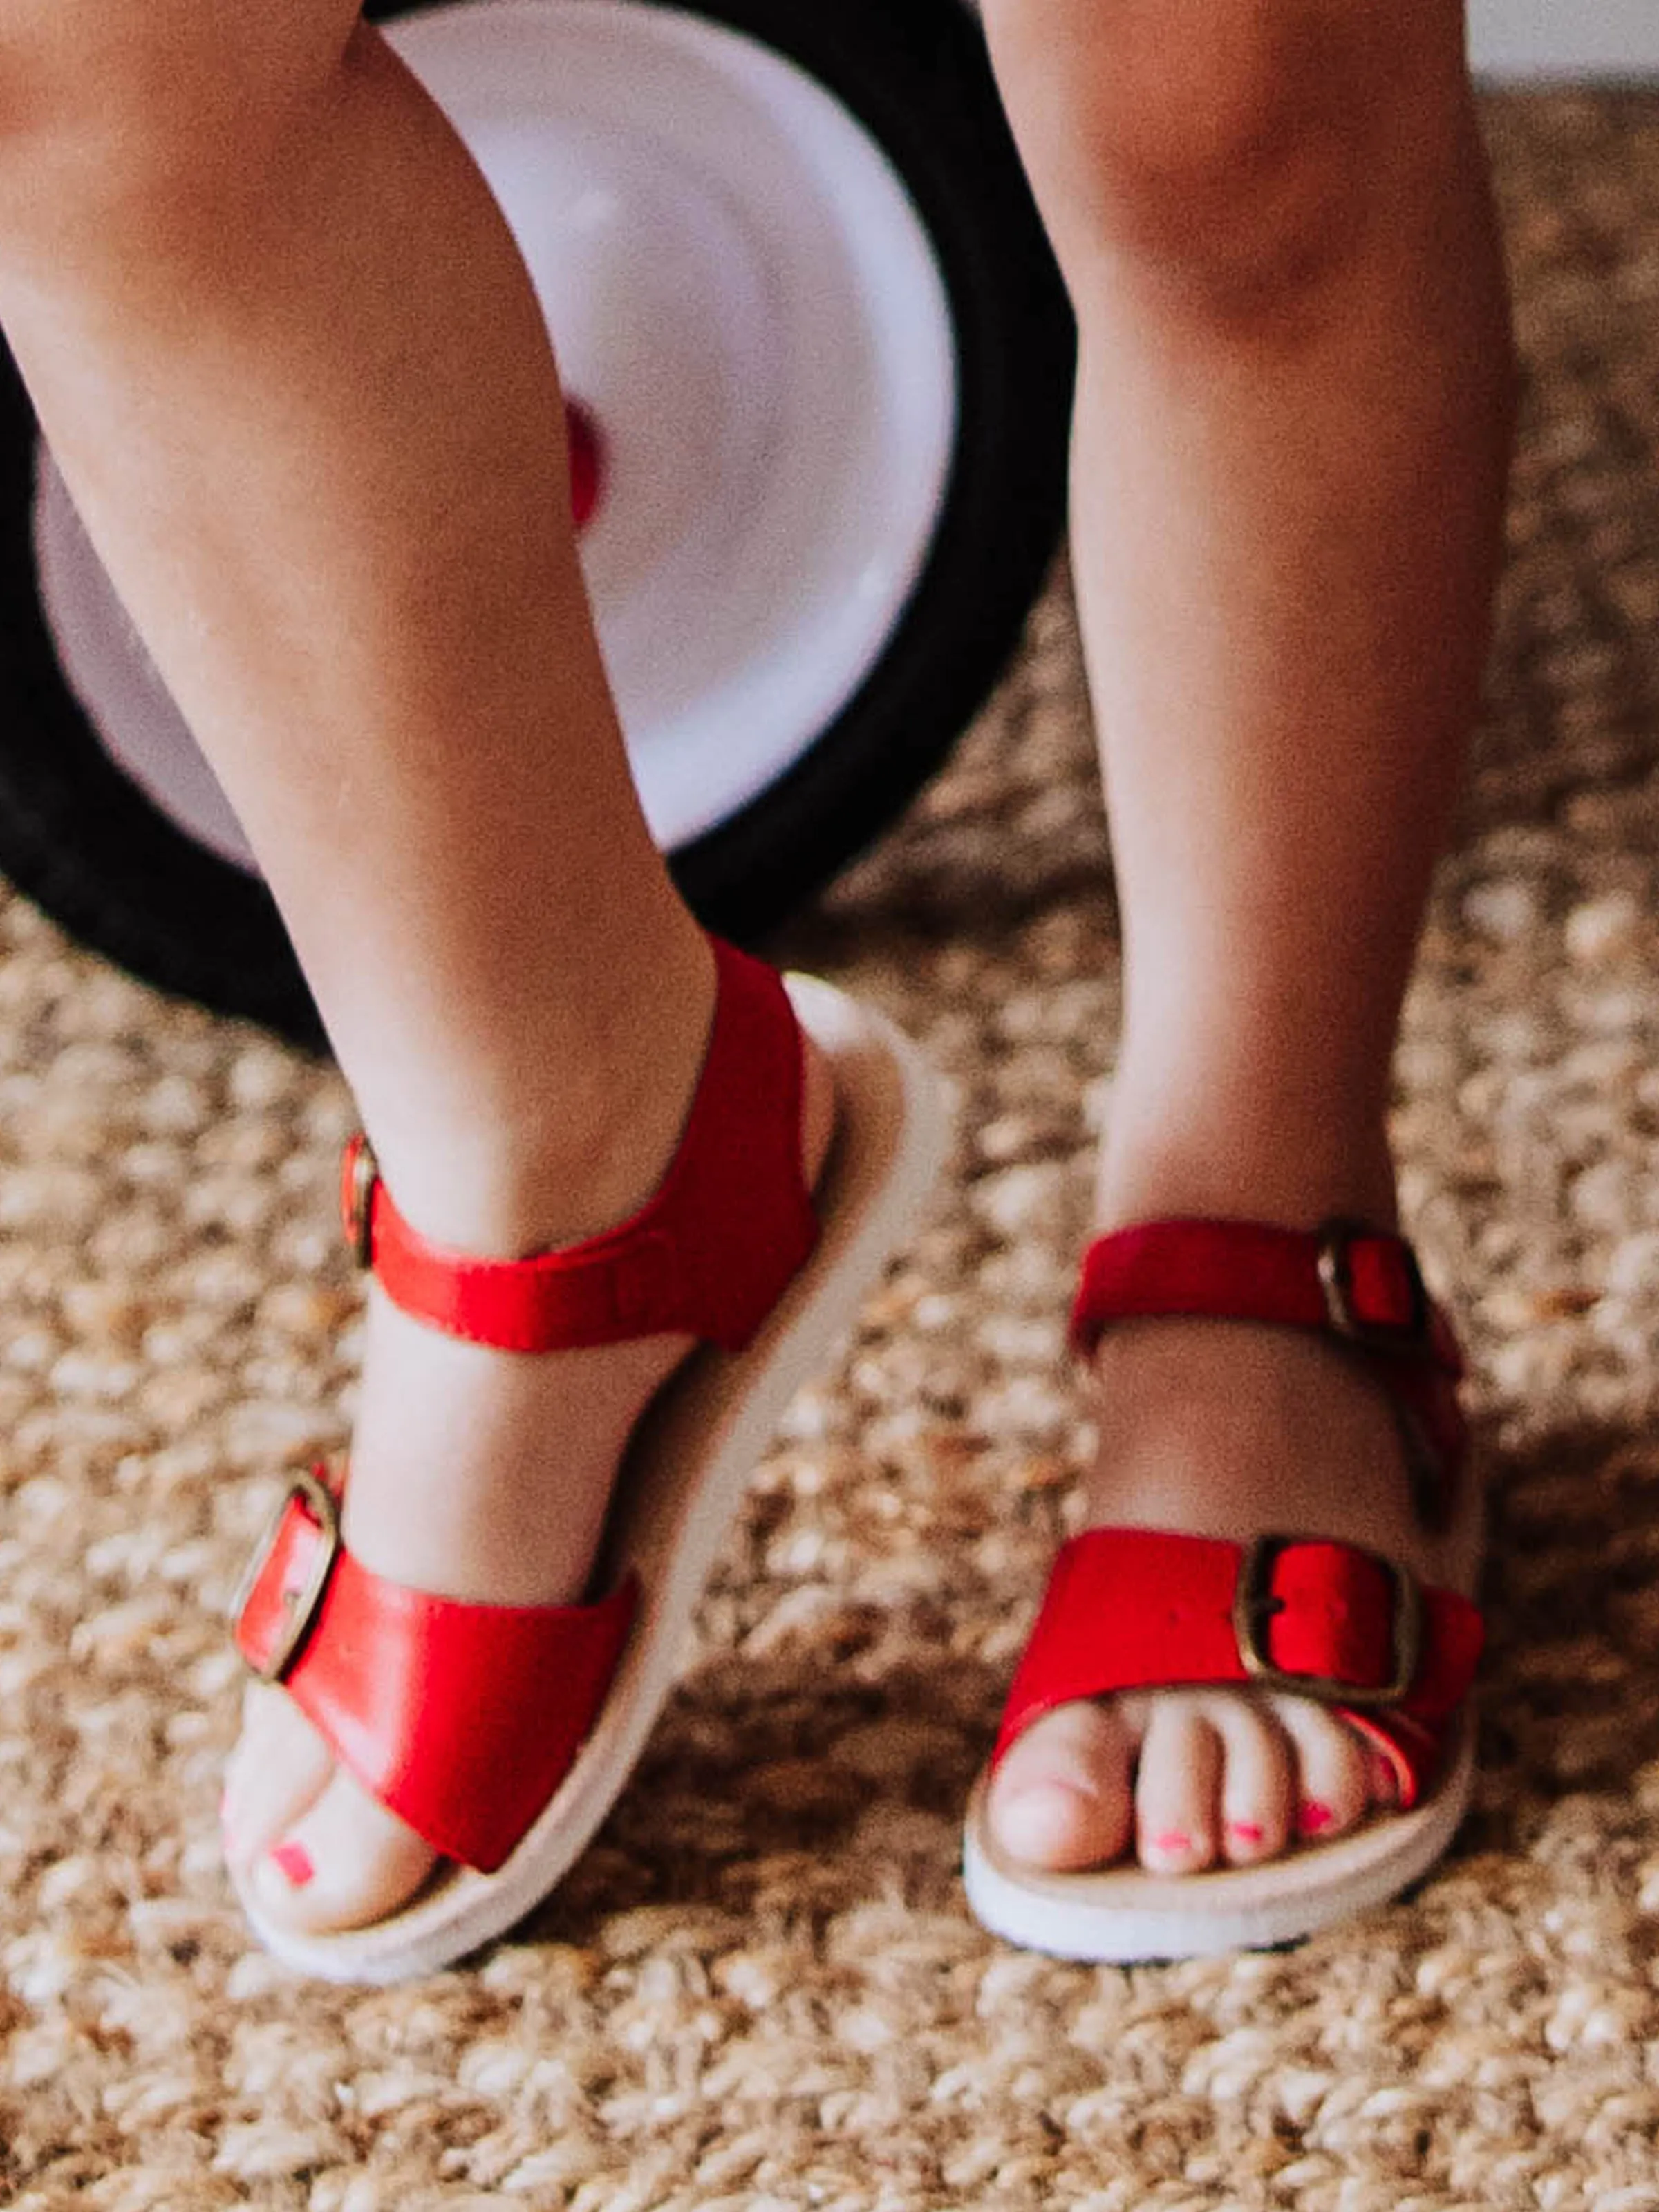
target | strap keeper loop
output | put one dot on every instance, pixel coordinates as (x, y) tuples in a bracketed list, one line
[(1337, 1239), (360, 1176)]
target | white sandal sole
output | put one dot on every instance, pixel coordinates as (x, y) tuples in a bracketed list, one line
[(685, 1477), (1122, 1916)]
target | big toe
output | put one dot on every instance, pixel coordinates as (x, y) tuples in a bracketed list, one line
[(318, 1852), (1062, 1797), (279, 1768), (346, 1862)]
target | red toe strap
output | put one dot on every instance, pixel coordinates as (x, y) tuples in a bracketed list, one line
[(1142, 1608), (463, 1719)]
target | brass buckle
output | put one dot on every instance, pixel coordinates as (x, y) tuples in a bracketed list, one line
[(1336, 1240), (360, 1202), (300, 1605), (1254, 1605)]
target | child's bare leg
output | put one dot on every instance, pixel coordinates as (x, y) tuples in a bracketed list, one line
[(1291, 440), (285, 352)]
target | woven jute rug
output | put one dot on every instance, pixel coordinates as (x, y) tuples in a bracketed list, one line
[(761, 1988)]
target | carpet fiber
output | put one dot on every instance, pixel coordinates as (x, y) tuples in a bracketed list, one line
[(761, 1988)]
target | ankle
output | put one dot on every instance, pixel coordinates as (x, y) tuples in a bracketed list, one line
[(1294, 1169), (557, 1137)]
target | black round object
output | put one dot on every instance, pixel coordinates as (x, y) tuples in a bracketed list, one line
[(91, 848)]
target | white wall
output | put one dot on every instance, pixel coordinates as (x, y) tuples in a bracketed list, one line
[(1565, 37)]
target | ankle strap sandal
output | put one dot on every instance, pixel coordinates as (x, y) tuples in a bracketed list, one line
[(1133, 1608), (501, 1733)]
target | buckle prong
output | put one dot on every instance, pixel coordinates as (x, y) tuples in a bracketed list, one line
[(1256, 1602), (363, 1173)]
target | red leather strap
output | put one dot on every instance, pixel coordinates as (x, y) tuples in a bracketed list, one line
[(1350, 1280), (1138, 1608), (1142, 1608), (463, 1719), (707, 1256), (1361, 1287)]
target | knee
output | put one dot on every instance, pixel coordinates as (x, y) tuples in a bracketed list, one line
[(1237, 143), (111, 105)]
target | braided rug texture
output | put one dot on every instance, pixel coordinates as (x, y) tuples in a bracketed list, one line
[(761, 1989)]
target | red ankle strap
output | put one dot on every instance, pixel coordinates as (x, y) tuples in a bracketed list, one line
[(1359, 1285), (707, 1256)]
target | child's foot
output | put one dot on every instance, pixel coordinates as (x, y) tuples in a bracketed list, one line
[(1226, 1429), (475, 1474)]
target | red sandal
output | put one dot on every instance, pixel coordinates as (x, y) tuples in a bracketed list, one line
[(503, 1733), (1138, 1608)]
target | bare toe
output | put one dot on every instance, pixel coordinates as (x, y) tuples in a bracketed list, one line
[(1061, 1797), (344, 1862), (278, 1769), (1333, 1768), (1258, 1775), (320, 1852), (1178, 1787)]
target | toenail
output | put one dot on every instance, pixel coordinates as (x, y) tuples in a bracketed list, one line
[(1172, 1844), (1314, 1818), (1246, 1831), (293, 1860)]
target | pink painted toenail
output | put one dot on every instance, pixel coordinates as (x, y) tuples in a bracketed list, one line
[(1174, 1845), (1314, 1818), (293, 1860), (1246, 1831)]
